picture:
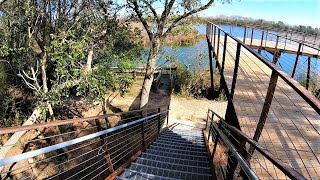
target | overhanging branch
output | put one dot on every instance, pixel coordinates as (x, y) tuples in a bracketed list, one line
[(152, 9), (140, 16), (185, 15)]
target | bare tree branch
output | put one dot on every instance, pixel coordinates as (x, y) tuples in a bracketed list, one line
[(167, 9), (27, 83), (153, 10), (185, 15), (140, 16)]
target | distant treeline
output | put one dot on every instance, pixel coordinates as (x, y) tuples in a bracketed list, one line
[(242, 21)]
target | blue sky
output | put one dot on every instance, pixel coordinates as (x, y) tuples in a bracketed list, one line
[(294, 12)]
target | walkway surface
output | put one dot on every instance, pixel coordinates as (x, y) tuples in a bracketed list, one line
[(292, 128), (282, 46), (179, 153)]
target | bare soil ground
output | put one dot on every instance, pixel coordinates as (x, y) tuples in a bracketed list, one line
[(194, 109)]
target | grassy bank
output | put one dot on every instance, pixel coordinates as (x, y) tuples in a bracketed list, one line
[(181, 36)]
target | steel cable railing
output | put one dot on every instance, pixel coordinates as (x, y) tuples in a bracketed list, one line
[(266, 104), (285, 49), (94, 154), (224, 137)]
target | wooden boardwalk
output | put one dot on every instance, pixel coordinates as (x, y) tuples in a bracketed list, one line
[(292, 128)]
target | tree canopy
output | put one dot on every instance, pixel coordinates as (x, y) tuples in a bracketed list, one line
[(55, 49)]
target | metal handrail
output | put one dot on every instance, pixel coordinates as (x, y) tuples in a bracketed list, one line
[(245, 166), (304, 93), (37, 152), (287, 170), (9, 130), (276, 29)]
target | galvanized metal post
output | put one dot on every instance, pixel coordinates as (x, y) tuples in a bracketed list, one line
[(245, 34), (266, 107), (296, 62), (259, 50), (251, 36), (235, 71), (308, 73)]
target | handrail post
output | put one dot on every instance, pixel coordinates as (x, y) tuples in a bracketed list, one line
[(251, 36), (210, 65), (104, 146), (275, 55), (308, 73), (218, 45), (235, 71), (142, 134), (214, 37), (207, 120), (266, 107), (224, 53), (245, 34), (259, 50), (209, 132), (159, 120), (168, 115), (216, 140), (296, 62)]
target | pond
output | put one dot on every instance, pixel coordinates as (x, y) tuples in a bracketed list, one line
[(191, 55)]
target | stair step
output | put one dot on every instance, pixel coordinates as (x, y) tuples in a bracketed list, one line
[(131, 174), (191, 133), (172, 166), (177, 155), (168, 173), (180, 143), (177, 146), (175, 160), (175, 136), (172, 150), (181, 140), (185, 131)]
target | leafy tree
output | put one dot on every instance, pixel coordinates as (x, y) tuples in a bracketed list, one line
[(158, 25), (57, 45)]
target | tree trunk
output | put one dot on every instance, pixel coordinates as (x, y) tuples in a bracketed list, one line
[(89, 61), (151, 65)]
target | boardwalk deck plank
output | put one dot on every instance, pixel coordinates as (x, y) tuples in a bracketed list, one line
[(292, 127)]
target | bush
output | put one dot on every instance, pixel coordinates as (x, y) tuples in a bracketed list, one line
[(193, 82)]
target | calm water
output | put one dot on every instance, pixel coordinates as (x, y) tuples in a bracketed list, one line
[(191, 55)]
